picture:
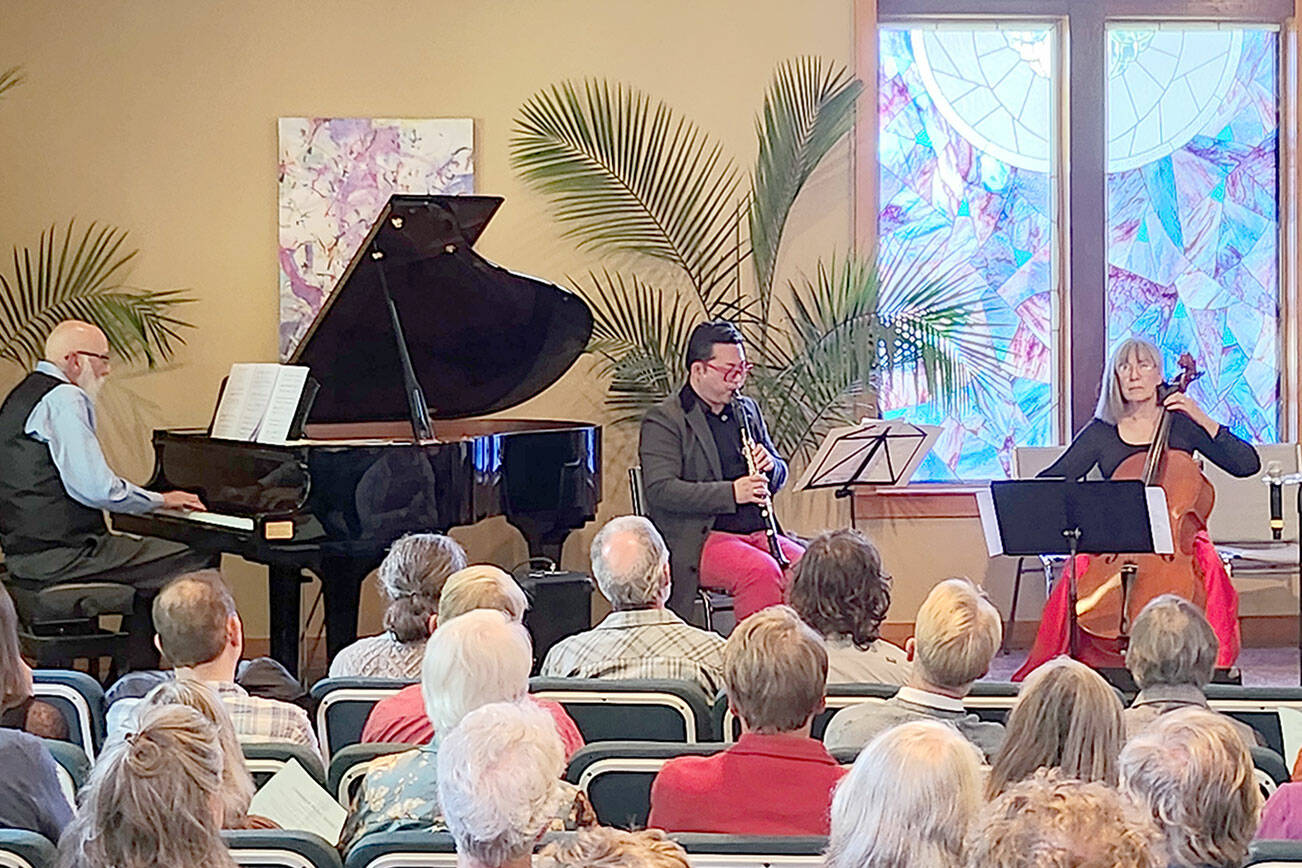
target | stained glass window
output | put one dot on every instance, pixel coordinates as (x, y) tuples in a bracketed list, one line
[(966, 152), (1193, 227)]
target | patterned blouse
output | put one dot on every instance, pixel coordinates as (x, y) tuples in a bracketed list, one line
[(380, 656)]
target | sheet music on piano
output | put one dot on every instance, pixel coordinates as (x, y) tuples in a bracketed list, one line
[(259, 402)]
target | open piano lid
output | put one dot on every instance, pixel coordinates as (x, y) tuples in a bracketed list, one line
[(481, 338)]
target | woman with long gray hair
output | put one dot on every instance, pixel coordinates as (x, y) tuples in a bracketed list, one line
[(1132, 400)]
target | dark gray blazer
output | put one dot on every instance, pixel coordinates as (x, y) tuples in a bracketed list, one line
[(683, 484)]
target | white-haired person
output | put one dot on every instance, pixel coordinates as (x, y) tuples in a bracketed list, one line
[(1131, 403), (402, 717), (499, 784), (411, 578), (908, 800), (1066, 717), (153, 799), (604, 847), (1172, 655), (956, 636), (1194, 774), (775, 780), (1053, 821), (472, 660), (640, 638)]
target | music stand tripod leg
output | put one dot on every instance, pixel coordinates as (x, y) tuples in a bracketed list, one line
[(1073, 539)]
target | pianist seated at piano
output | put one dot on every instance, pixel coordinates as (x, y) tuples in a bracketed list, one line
[(56, 486), (411, 578)]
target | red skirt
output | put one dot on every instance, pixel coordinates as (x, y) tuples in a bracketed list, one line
[(1222, 611)]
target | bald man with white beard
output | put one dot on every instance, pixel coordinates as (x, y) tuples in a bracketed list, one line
[(56, 485)]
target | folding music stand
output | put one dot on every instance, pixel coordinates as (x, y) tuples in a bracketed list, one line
[(1065, 517)]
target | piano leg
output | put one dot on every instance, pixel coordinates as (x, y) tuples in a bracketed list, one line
[(341, 581), (283, 584)]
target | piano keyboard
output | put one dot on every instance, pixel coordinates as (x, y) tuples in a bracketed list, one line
[(234, 522)]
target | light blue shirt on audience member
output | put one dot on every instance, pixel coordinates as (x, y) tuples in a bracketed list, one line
[(65, 420)]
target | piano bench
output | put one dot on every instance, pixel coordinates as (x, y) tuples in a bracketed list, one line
[(60, 624)]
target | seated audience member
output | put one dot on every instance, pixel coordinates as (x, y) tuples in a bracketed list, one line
[(472, 660), (1194, 774), (499, 784), (402, 718), (411, 578), (840, 589), (30, 795), (640, 638), (1066, 717), (199, 631), (1049, 821), (153, 799), (19, 708), (604, 847), (908, 800), (1171, 656), (1281, 816), (956, 637), (775, 780)]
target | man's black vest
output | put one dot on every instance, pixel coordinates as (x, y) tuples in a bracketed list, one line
[(36, 512)]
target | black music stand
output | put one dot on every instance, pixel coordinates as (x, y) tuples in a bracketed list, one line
[(874, 452), (1063, 517)]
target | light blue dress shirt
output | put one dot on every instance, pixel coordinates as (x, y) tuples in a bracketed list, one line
[(65, 421)]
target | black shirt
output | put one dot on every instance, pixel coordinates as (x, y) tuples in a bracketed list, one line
[(1099, 443), (727, 439)]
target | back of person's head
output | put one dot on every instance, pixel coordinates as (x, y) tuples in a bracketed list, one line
[(472, 660), (411, 576), (604, 847), (956, 636), (15, 678), (153, 798), (629, 560), (839, 588), (191, 617), (1066, 717), (482, 586), (775, 671), (1171, 642), (908, 800), (499, 780), (1192, 771), (237, 783), (1050, 821)]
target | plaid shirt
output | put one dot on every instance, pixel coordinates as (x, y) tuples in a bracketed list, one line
[(641, 643), (259, 720)]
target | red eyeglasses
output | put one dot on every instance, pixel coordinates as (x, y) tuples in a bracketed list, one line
[(732, 372)]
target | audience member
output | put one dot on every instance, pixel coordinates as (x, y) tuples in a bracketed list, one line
[(640, 638), (1050, 821), (199, 631), (30, 795), (402, 717), (1066, 717), (153, 799), (908, 800), (19, 708), (956, 636), (1172, 655), (1193, 772), (840, 589), (411, 578), (604, 847), (775, 780), (499, 784), (1281, 816), (472, 660)]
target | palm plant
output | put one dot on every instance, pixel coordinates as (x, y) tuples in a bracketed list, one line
[(629, 177)]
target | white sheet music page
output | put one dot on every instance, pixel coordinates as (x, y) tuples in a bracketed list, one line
[(231, 409), (286, 393), (294, 800)]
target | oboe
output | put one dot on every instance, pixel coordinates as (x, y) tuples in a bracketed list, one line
[(765, 505)]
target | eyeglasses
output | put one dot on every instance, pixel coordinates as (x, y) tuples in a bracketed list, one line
[(732, 372), (1142, 365), (103, 357)]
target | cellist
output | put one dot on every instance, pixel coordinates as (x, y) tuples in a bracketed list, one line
[(1124, 424)]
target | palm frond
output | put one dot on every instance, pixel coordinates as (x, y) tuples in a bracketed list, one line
[(639, 332), (84, 280), (626, 173), (809, 107), (11, 78)]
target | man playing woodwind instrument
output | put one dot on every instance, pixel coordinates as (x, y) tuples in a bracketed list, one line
[(699, 492)]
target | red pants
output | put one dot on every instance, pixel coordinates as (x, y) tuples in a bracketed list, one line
[(1222, 612), (741, 565)]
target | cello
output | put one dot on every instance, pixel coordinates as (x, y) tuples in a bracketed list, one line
[(1114, 588)]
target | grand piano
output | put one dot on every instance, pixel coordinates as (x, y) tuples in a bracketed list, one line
[(420, 337)]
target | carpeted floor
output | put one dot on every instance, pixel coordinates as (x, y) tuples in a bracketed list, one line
[(1261, 667)]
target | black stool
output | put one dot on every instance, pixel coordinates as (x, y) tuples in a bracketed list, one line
[(60, 624)]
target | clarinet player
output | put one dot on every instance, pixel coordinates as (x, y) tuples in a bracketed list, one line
[(708, 495)]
